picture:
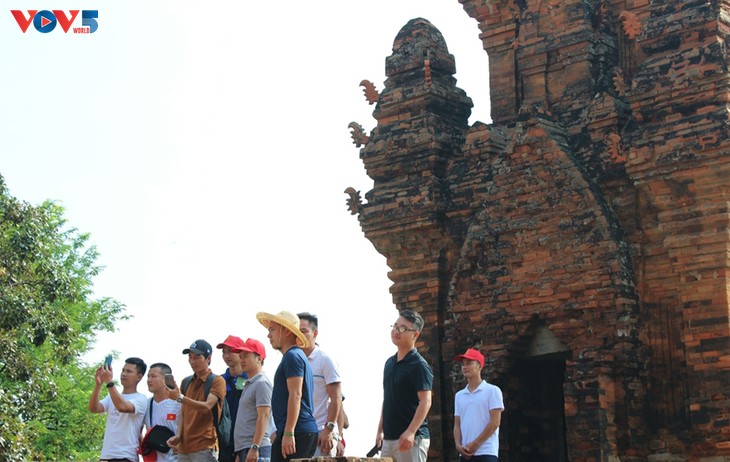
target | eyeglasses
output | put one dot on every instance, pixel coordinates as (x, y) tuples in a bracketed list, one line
[(402, 329)]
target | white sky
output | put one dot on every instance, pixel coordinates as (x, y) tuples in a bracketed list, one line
[(205, 147)]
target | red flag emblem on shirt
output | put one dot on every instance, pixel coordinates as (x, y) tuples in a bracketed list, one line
[(171, 416)]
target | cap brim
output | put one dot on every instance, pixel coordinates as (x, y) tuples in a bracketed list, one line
[(267, 318), (197, 352)]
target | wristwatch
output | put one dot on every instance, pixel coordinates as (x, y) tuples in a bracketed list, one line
[(110, 384), (179, 399), (255, 446), (330, 425)]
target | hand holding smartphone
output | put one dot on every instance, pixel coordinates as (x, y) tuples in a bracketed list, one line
[(108, 362), (170, 381)]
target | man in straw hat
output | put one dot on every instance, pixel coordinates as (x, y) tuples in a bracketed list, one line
[(291, 401), (477, 412)]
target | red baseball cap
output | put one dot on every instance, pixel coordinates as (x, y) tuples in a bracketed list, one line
[(231, 342), (253, 346), (473, 355)]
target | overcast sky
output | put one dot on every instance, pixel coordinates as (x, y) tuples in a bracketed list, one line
[(205, 147)]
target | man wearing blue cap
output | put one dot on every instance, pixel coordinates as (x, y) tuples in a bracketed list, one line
[(196, 439)]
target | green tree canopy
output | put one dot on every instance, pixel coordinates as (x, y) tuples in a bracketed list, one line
[(48, 319)]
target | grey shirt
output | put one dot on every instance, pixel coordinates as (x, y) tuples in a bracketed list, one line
[(256, 393)]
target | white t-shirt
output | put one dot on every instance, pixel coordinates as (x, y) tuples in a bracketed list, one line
[(121, 436), (325, 371), (473, 408), (163, 413)]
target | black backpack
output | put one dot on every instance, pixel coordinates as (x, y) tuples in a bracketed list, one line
[(222, 426)]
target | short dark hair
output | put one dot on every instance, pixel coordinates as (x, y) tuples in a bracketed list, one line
[(310, 318), (164, 368), (413, 317), (138, 363)]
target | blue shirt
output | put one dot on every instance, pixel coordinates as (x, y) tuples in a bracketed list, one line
[(233, 393), (294, 363)]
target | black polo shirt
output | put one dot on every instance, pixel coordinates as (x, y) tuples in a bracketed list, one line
[(402, 380)]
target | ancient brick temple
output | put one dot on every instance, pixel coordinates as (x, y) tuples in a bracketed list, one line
[(581, 239)]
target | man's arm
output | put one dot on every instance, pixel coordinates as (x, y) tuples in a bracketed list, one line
[(335, 405), (95, 405), (262, 421), (211, 401), (342, 424), (424, 405), (333, 411), (208, 404), (294, 405), (457, 436), (174, 441), (379, 435), (120, 403)]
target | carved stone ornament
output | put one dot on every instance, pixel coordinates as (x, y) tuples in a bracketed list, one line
[(371, 94), (359, 138), (354, 203), (631, 23)]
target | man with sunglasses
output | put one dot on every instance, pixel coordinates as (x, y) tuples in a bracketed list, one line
[(407, 382)]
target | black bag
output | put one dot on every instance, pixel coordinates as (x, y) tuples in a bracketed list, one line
[(223, 425), (156, 437)]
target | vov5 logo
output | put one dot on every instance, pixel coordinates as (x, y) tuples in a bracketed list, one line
[(45, 21)]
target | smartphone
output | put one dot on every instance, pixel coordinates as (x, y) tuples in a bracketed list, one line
[(170, 381), (108, 361), (373, 451)]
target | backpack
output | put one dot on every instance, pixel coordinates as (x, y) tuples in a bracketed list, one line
[(224, 425)]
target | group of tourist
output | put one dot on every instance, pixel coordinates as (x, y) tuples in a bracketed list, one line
[(297, 415)]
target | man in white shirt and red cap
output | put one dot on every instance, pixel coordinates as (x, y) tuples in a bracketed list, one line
[(477, 412)]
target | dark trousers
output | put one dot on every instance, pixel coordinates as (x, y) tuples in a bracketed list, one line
[(306, 444), (479, 459), (226, 455)]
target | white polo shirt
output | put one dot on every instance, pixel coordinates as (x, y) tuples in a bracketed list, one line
[(325, 371), (473, 408)]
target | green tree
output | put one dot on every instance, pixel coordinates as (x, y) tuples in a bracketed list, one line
[(48, 320)]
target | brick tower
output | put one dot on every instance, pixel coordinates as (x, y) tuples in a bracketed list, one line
[(580, 240)]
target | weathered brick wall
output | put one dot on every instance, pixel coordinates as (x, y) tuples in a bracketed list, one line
[(581, 239)]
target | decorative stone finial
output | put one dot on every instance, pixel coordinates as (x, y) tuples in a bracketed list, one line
[(354, 203), (371, 94), (359, 137), (632, 25)]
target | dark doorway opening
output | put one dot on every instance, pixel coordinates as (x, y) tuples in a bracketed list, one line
[(535, 410)]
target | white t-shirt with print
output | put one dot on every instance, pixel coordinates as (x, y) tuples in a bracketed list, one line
[(121, 436), (164, 413)]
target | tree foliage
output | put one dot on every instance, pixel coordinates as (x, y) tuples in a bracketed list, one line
[(48, 320)]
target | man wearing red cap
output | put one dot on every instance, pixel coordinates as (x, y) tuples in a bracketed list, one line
[(235, 380), (252, 436), (477, 412)]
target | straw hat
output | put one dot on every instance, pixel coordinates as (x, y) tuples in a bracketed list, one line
[(286, 319)]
